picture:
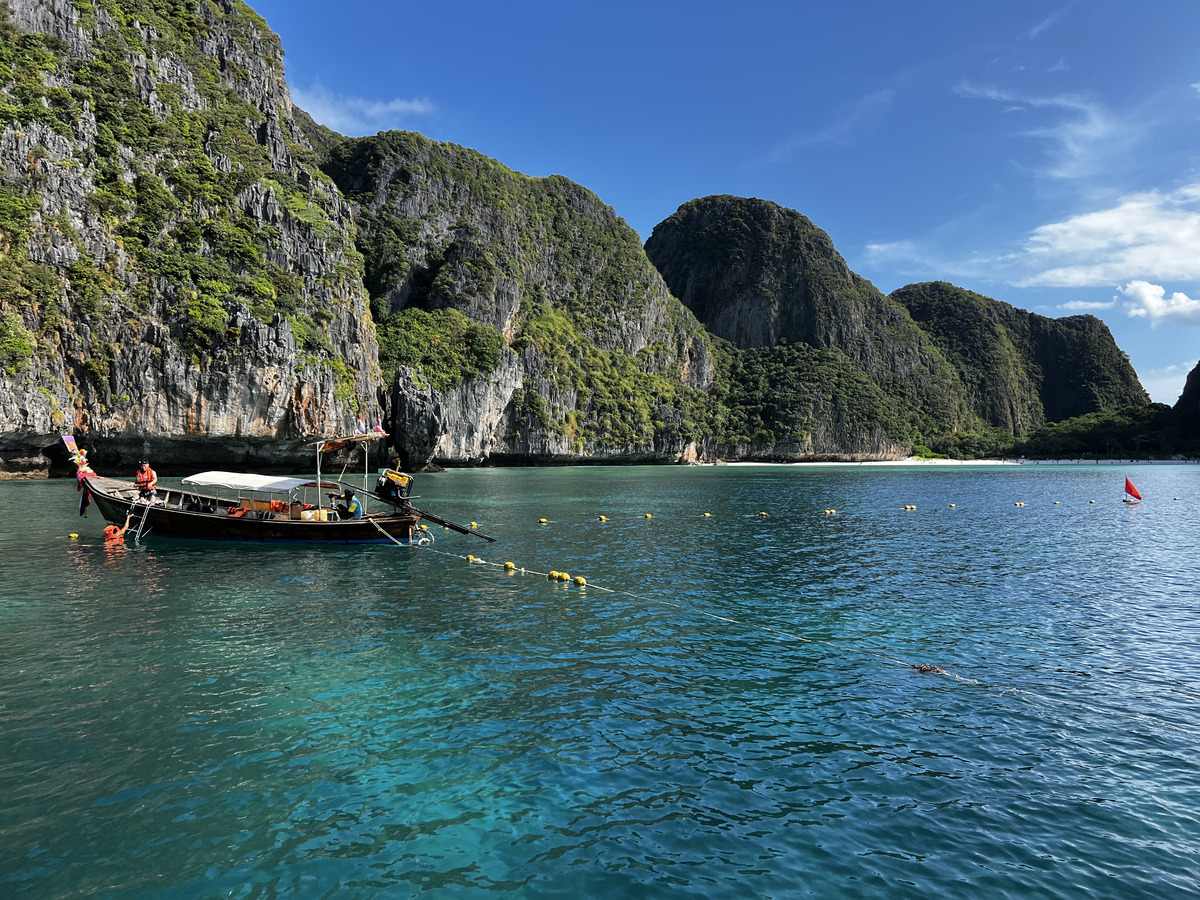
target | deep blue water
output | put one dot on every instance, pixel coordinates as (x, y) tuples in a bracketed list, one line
[(729, 708)]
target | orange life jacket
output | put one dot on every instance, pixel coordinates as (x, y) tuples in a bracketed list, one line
[(112, 534), (145, 479)]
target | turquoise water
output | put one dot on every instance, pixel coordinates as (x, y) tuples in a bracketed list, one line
[(739, 717)]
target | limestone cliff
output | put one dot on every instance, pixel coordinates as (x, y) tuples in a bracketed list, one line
[(522, 315), (762, 276), (1021, 370), (1187, 407), (929, 363), (191, 268), (178, 277)]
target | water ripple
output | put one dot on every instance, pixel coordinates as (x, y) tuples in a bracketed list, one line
[(739, 719)]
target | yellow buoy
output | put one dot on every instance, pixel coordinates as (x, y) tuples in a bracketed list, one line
[(580, 580), (1091, 501), (470, 558), (762, 515), (563, 576), (1057, 503), (510, 566), (709, 515), (424, 527), (602, 518), (648, 516), (953, 505), (75, 535), (552, 575), (474, 524), (542, 521)]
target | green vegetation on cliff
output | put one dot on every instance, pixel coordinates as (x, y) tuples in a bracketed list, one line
[(168, 168), (16, 342), (455, 227), (443, 346), (776, 400), (763, 277), (539, 264), (1134, 432), (1020, 369)]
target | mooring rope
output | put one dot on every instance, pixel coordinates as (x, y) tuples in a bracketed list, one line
[(923, 668)]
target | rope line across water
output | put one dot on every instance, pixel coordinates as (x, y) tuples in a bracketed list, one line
[(923, 668)]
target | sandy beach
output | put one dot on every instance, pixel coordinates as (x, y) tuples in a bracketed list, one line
[(976, 463)]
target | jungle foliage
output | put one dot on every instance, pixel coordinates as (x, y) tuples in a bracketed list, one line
[(444, 346), (1133, 432), (782, 396)]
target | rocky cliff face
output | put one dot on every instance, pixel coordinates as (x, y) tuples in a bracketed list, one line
[(182, 280), (1021, 370), (191, 269), (582, 352), (760, 275), (1187, 407), (947, 359)]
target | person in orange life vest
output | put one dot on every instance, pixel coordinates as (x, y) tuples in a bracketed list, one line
[(115, 535), (147, 481)]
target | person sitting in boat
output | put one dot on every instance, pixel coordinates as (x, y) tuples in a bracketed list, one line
[(114, 534), (351, 508), (146, 481)]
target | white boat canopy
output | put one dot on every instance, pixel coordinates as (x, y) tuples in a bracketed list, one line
[(239, 481)]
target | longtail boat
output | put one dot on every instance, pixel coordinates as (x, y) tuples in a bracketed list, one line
[(237, 506)]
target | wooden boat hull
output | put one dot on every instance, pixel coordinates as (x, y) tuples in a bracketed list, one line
[(172, 518)]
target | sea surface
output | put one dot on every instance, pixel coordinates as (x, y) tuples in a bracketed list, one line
[(969, 698)]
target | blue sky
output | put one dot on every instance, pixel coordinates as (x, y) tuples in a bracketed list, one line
[(1041, 153)]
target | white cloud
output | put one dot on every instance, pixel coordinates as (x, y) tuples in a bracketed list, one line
[(895, 252), (1166, 384), (1085, 305), (356, 116), (1044, 24), (1084, 135), (1147, 235), (1150, 301)]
